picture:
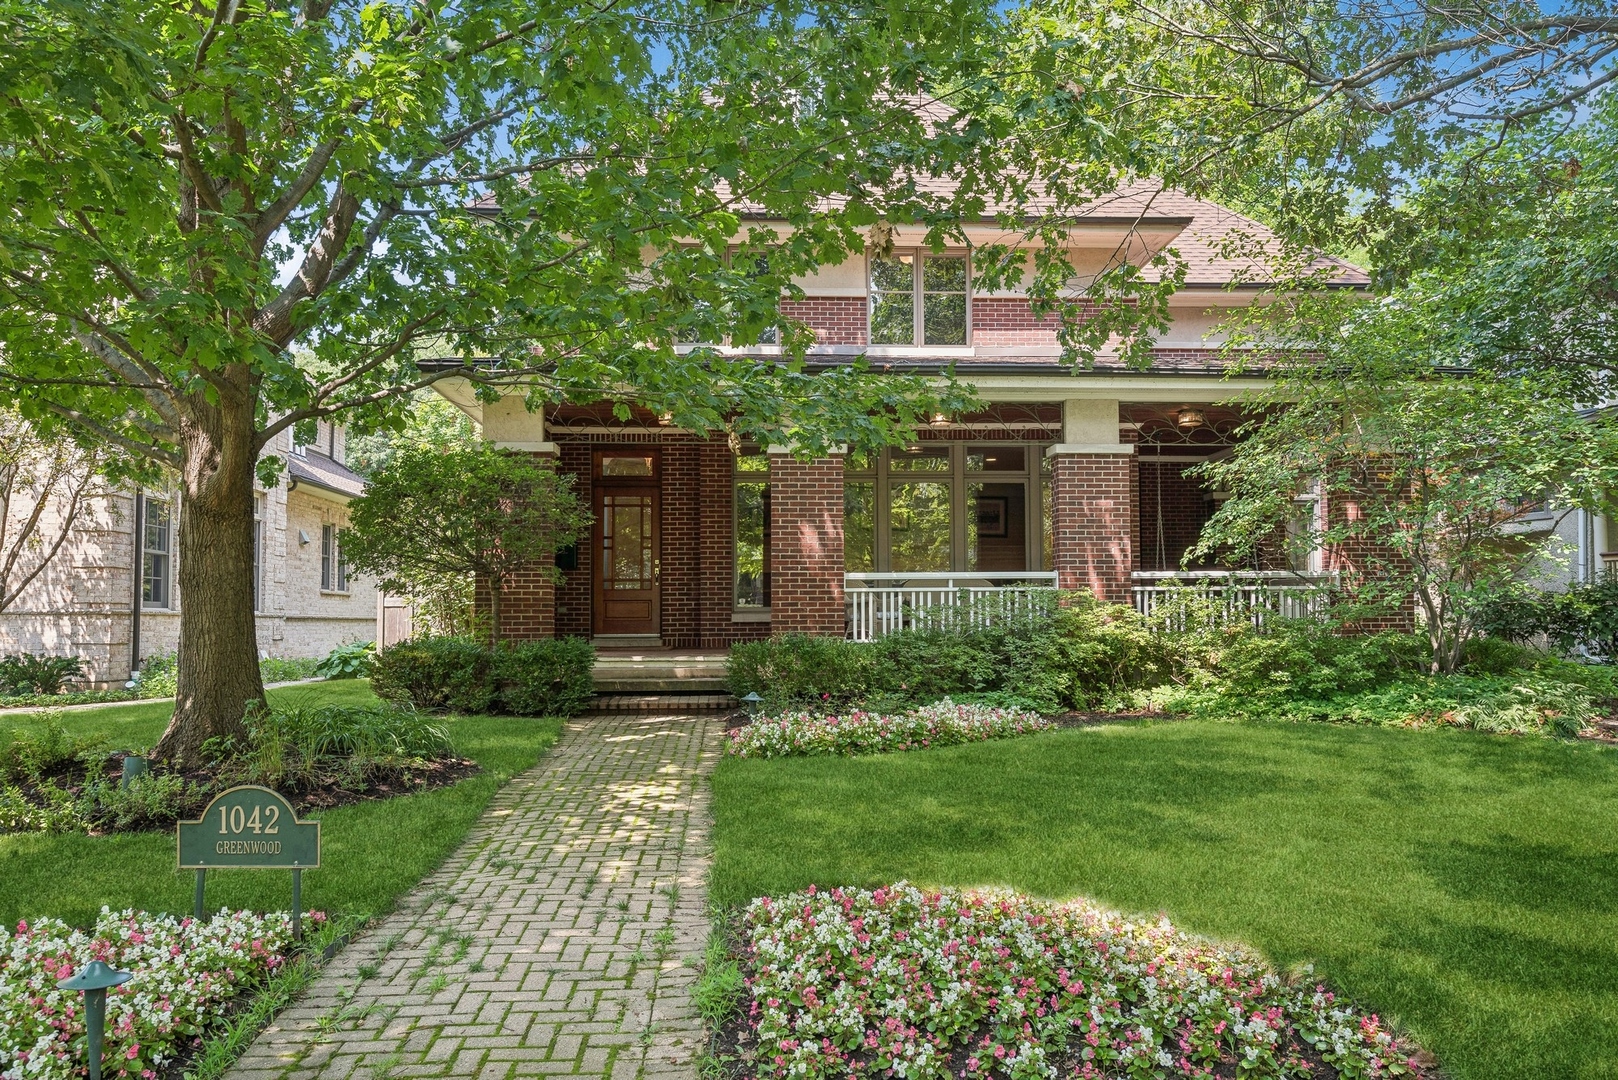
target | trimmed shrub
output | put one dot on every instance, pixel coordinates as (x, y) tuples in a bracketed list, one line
[(546, 678), (159, 677), (1072, 656), (800, 670), (1584, 615), (436, 673), (529, 678)]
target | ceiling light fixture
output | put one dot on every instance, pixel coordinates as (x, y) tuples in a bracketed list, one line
[(1190, 419)]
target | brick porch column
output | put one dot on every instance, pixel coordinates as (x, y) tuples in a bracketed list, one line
[(528, 604), (1092, 501), (806, 545)]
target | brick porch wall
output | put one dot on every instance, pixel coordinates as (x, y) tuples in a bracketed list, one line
[(1357, 558), (1184, 506), (806, 540), (1093, 499), (528, 603)]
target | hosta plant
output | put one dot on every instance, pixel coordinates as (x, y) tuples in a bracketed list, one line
[(952, 984), (943, 723)]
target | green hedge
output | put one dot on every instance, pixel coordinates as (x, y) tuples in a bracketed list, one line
[(1068, 657), (529, 678)]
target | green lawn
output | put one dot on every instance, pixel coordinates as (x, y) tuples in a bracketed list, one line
[(1465, 885), (370, 852)]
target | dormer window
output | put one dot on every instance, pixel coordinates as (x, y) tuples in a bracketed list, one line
[(929, 307)]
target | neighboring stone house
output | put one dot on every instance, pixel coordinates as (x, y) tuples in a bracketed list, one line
[(1066, 477), (111, 596)]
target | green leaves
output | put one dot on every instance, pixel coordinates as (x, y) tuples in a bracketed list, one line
[(469, 510)]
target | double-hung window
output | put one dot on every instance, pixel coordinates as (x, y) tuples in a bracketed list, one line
[(333, 571), (750, 490), (156, 553), (919, 298), (258, 553)]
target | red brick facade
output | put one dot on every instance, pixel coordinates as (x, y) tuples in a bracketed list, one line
[(1359, 558), (1010, 320), (836, 320), (1093, 500), (1104, 515), (694, 551), (527, 604), (806, 541)]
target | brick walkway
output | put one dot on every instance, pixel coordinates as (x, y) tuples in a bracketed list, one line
[(561, 939)]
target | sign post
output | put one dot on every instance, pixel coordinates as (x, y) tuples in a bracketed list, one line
[(250, 827)]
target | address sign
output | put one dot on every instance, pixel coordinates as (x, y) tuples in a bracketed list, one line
[(249, 827)]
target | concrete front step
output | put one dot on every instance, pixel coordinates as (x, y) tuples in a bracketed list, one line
[(665, 703), (631, 671)]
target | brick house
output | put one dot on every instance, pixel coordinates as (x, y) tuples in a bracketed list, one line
[(1069, 478), (111, 595)]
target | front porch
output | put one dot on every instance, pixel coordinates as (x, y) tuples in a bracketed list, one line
[(697, 546)]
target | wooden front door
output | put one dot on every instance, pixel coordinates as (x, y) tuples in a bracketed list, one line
[(627, 557)]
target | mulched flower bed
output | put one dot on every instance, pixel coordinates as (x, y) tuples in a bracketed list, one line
[(188, 976), (404, 779), (53, 789), (899, 982)]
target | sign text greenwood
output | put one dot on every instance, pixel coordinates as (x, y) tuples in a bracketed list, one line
[(249, 826)]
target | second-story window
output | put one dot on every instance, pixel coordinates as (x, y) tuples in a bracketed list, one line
[(928, 307)]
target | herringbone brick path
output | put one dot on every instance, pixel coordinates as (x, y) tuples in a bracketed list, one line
[(560, 939)]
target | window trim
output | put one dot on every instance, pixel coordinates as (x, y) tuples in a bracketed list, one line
[(883, 478), (749, 612), (333, 570), (918, 296), (259, 500), (166, 553)]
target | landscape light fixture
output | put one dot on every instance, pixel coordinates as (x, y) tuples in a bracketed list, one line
[(95, 979)]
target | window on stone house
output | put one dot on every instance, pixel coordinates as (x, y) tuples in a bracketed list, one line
[(258, 553), (157, 553), (750, 503), (925, 308), (333, 570)]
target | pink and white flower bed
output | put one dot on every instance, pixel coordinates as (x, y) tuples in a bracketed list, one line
[(905, 983), (943, 723), (184, 971)]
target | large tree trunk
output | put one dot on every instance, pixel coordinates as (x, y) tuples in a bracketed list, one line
[(218, 656)]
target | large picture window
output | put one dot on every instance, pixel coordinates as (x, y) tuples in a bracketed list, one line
[(937, 507), (157, 553), (919, 298), (750, 491)]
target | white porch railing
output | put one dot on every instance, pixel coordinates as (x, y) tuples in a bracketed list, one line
[(1246, 594), (882, 603)]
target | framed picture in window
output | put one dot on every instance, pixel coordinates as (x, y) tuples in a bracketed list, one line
[(991, 515)]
